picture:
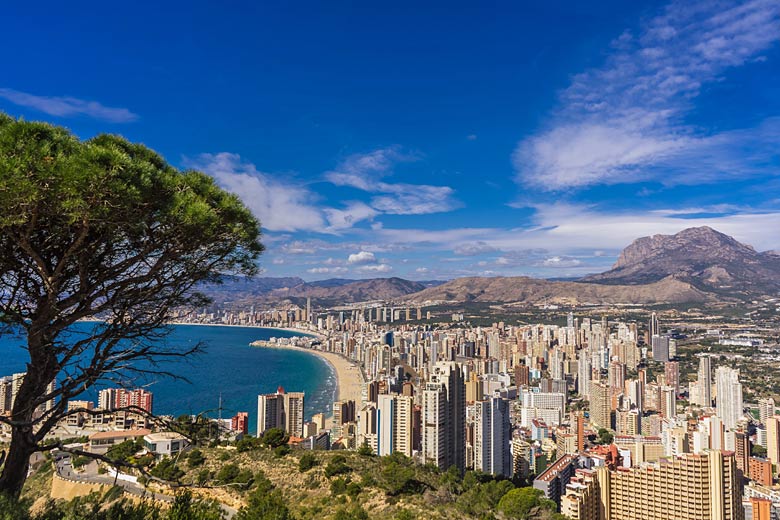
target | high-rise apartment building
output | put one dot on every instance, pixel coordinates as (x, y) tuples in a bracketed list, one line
[(118, 398), (549, 406), (617, 377), (690, 487), (600, 405), (584, 373), (444, 417), (240, 422), (293, 410), (492, 437), (704, 382), (281, 410), (660, 348), (766, 409), (672, 373), (653, 327), (394, 424), (729, 396), (668, 402), (773, 439)]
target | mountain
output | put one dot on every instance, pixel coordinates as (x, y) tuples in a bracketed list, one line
[(354, 291), (334, 291), (532, 290), (242, 289), (695, 265), (701, 256)]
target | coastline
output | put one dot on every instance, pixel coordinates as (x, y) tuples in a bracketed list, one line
[(349, 381), (287, 329)]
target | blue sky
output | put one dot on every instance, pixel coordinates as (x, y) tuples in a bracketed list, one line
[(432, 139)]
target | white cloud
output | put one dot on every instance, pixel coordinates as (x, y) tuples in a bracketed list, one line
[(473, 249), (421, 270), (363, 257), (584, 239), (377, 268), (327, 270), (278, 261), (339, 219), (66, 106), (297, 247), (279, 206), (560, 262), (622, 122), (365, 171)]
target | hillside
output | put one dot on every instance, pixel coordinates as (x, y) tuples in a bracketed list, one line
[(695, 265), (355, 291), (532, 290), (707, 259)]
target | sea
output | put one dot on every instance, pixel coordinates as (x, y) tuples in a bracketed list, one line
[(228, 367)]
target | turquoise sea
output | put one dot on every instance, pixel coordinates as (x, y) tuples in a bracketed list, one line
[(229, 366)]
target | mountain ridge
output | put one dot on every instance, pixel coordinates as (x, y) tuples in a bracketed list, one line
[(707, 259), (697, 264)]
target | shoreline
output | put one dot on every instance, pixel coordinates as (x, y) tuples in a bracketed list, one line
[(287, 329), (349, 380)]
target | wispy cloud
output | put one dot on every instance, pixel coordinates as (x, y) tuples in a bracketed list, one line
[(327, 270), (280, 205), (65, 106), (365, 171), (624, 121), (376, 268)]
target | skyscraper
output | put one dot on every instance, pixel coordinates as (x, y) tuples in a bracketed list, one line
[(492, 437), (773, 440), (766, 409), (668, 402), (293, 410), (690, 487), (660, 348), (444, 417), (600, 405), (729, 400), (652, 327), (705, 381), (281, 410), (583, 373), (672, 373), (394, 424)]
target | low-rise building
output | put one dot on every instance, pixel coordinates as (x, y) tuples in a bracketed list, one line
[(101, 442), (166, 443)]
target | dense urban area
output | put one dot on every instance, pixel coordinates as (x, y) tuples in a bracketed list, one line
[(579, 408)]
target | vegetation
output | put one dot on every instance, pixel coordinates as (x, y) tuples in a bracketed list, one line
[(111, 506), (605, 436), (104, 229), (308, 485), (275, 437)]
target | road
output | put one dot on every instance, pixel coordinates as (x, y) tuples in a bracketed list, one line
[(64, 468)]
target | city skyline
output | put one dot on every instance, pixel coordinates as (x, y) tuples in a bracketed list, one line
[(428, 142)]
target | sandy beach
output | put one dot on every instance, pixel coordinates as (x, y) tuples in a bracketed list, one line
[(349, 381)]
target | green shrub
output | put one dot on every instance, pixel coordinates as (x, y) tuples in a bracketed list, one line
[(195, 458), (227, 473), (307, 461), (338, 486)]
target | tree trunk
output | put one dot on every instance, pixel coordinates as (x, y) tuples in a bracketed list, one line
[(17, 461), (24, 443)]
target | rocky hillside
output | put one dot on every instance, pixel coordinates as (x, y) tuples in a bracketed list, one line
[(701, 257), (532, 290), (355, 291)]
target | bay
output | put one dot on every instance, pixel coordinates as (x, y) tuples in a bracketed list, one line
[(228, 366)]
